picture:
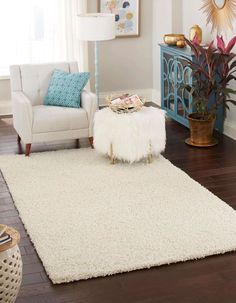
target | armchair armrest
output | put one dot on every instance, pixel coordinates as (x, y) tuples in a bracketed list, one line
[(89, 104), (22, 116)]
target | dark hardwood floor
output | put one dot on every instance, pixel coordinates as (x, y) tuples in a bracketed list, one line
[(211, 280)]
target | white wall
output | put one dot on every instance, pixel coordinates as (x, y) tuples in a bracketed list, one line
[(126, 63), (5, 107), (160, 9), (191, 14), (167, 18)]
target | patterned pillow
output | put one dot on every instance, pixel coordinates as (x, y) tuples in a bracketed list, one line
[(65, 88)]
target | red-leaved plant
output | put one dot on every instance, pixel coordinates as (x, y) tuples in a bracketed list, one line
[(212, 69)]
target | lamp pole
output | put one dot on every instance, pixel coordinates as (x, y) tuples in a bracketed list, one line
[(96, 53), (96, 27)]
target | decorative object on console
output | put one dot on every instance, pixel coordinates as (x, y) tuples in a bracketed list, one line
[(125, 103), (172, 39), (210, 88), (195, 33), (175, 73), (220, 13), (96, 27), (127, 16), (130, 137), (181, 44), (65, 89), (10, 267)]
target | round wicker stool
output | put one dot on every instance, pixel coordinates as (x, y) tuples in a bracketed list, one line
[(10, 268)]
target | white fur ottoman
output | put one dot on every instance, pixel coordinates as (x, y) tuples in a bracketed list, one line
[(130, 137)]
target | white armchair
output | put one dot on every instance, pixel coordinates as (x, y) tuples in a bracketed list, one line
[(35, 122)]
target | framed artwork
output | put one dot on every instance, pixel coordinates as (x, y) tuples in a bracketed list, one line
[(127, 14)]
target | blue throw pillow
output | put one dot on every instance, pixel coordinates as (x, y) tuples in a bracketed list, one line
[(65, 89)]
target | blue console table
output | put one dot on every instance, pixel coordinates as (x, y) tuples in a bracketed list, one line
[(174, 73)]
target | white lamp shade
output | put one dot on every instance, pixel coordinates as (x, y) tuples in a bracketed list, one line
[(96, 27)]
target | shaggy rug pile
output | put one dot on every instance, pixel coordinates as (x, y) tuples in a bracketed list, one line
[(88, 218)]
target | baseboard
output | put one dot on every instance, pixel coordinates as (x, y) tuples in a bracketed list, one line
[(146, 93), (5, 108), (156, 97), (230, 129)]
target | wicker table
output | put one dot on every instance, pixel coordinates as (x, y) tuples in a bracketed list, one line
[(10, 268)]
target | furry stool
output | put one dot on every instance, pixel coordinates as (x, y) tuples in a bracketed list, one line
[(130, 137)]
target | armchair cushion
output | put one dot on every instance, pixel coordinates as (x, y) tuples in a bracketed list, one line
[(65, 89), (57, 118)]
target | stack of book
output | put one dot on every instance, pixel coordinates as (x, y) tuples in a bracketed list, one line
[(4, 237)]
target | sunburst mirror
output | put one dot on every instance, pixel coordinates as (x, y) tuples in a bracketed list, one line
[(219, 3), (220, 13)]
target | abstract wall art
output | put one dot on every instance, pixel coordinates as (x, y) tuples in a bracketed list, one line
[(127, 15)]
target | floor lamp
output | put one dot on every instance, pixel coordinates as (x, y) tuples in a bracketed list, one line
[(96, 27)]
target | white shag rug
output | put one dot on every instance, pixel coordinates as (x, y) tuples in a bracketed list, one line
[(88, 218)]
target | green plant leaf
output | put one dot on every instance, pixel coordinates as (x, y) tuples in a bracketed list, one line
[(230, 78), (231, 101), (227, 106), (229, 91), (232, 65)]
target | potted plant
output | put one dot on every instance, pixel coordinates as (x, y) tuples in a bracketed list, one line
[(213, 69)]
